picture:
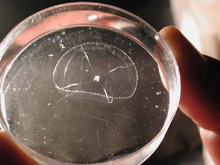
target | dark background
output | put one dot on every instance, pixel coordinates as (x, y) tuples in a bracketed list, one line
[(14, 11), (181, 145)]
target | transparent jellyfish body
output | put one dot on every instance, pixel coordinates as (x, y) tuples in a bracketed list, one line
[(111, 76), (84, 95)]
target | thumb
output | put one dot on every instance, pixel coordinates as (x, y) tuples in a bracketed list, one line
[(200, 80), (200, 86)]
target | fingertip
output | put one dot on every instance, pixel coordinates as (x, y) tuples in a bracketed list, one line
[(197, 99), (182, 49), (173, 38), (169, 31)]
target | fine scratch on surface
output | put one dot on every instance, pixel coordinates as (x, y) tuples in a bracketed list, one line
[(127, 117), (97, 135), (4, 92), (142, 69), (66, 96), (98, 118), (86, 115)]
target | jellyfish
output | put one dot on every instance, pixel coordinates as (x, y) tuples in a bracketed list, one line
[(96, 71)]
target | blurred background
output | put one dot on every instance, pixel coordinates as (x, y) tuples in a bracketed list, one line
[(182, 145)]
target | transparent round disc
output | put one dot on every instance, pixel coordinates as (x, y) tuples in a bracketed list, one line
[(89, 91)]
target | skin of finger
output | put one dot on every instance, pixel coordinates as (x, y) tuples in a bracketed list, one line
[(11, 154), (211, 140), (199, 93)]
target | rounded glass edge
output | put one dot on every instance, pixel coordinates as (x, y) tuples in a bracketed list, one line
[(23, 25)]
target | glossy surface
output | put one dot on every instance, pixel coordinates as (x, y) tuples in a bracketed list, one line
[(84, 95)]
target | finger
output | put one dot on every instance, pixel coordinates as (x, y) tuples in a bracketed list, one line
[(211, 140), (200, 79), (11, 154), (199, 83)]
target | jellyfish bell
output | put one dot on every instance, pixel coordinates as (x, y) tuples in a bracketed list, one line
[(96, 71)]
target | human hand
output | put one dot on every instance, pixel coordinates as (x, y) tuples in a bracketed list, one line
[(200, 89)]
